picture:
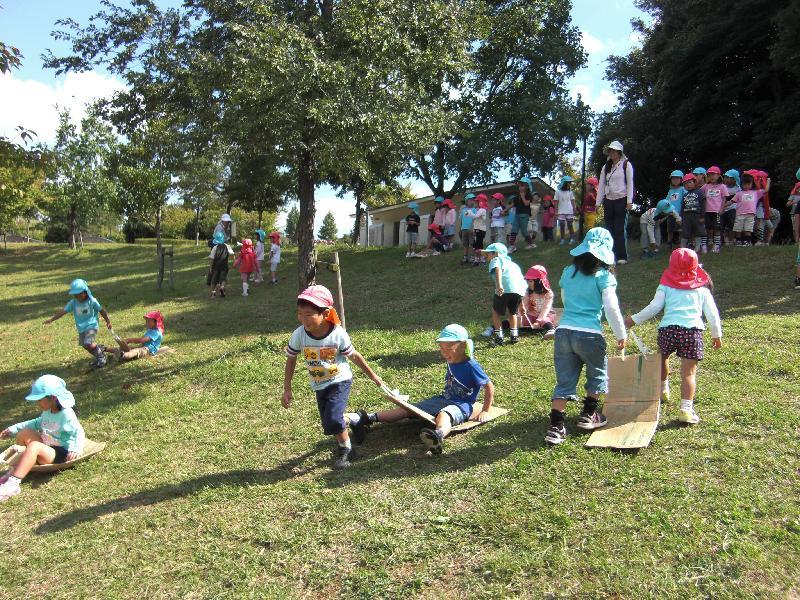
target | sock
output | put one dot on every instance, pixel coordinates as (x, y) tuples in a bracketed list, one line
[(498, 332), (687, 405), (665, 387), (704, 241), (372, 417), (245, 285), (514, 332), (717, 241), (13, 481), (352, 418), (589, 405), (556, 418), (345, 444), (439, 433)]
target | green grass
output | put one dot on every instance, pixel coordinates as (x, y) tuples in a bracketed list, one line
[(208, 488)]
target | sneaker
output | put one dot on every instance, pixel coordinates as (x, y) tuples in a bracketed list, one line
[(274, 281), (513, 339), (797, 283), (342, 455), (8, 491), (549, 335), (716, 249), (498, 341), (487, 332), (435, 253), (530, 247), (512, 249), (591, 421), (689, 417), (245, 294), (408, 254), (432, 440), (222, 292), (703, 249), (563, 242), (359, 430), (571, 241), (622, 261), (645, 255), (555, 435)]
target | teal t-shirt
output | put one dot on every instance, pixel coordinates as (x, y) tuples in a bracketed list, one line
[(155, 340), (466, 222), (583, 298), (57, 429), (85, 313), (510, 275)]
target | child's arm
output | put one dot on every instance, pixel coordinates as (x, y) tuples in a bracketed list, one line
[(34, 424), (712, 316), (362, 364), (55, 317), (498, 283), (141, 340), (488, 400), (614, 316), (104, 314), (648, 312), (288, 373), (548, 306)]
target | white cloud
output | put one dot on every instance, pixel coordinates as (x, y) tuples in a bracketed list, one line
[(591, 44), (325, 199), (32, 104), (599, 100)]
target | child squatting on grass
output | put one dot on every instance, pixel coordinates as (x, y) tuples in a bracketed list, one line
[(54, 437), (684, 295), (587, 289), (150, 341), (325, 347), (85, 308), (462, 383)]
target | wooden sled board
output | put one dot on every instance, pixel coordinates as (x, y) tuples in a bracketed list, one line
[(90, 448), (494, 412), (165, 350), (402, 401), (633, 403)]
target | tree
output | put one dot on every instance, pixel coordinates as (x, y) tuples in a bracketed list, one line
[(292, 220), (327, 230), (259, 185), (512, 107), (315, 82)]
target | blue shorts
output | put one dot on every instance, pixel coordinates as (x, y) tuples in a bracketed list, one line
[(332, 402), (571, 351), (449, 230), (436, 404)]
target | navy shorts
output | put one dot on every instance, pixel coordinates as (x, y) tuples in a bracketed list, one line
[(712, 221), (684, 341), (61, 454), (332, 402), (507, 302)]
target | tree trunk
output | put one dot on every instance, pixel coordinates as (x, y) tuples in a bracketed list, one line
[(260, 215), (357, 225), (158, 230), (197, 226), (73, 225), (306, 255)]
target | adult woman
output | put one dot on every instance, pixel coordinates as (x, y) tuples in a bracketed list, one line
[(522, 207), (616, 191), (224, 226)]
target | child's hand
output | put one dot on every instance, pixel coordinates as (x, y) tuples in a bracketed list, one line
[(286, 401), (620, 344), (482, 417), (629, 322), (108, 325), (717, 342), (378, 381), (5, 433), (499, 291), (72, 456)]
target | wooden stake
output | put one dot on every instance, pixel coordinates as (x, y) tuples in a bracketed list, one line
[(339, 288)]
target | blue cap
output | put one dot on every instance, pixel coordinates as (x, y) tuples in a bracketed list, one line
[(565, 179), (77, 286), (439, 199), (497, 248), (699, 171), (677, 173), (599, 243), (219, 238), (456, 333), (472, 196), (662, 207), (50, 385), (262, 235), (734, 174)]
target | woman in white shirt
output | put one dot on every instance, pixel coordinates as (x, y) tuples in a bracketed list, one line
[(616, 191)]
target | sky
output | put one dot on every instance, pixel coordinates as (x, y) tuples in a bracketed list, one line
[(31, 96)]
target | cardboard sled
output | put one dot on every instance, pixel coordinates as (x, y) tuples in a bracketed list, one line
[(12, 454), (633, 403), (402, 400)]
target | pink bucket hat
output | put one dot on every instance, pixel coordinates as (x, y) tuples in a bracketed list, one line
[(714, 169), (538, 272), (318, 295), (689, 177)]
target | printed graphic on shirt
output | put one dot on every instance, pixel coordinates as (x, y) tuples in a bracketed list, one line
[(321, 363), (693, 201)]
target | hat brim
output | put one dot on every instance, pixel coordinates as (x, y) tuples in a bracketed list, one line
[(700, 280), (313, 300), (34, 397), (604, 255)]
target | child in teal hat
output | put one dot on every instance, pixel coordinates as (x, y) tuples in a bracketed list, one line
[(463, 382), (509, 288), (218, 269), (259, 249), (54, 437), (412, 229), (565, 201), (588, 289), (85, 308)]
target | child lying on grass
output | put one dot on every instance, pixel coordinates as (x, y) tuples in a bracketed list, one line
[(462, 383), (150, 341)]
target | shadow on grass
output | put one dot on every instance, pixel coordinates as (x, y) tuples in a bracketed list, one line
[(241, 477), (406, 360)]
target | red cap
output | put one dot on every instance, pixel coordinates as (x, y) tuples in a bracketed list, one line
[(318, 295), (714, 169), (688, 177), (547, 197), (482, 197), (593, 181), (684, 272), (434, 227), (449, 203), (275, 236), (498, 196)]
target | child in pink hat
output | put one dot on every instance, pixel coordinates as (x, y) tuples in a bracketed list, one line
[(150, 341), (684, 294), (246, 263), (536, 311), (324, 345), (715, 192)]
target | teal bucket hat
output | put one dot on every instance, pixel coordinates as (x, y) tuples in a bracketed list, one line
[(599, 243), (565, 179), (77, 286), (262, 235), (472, 196), (699, 171), (527, 181), (50, 385), (676, 173), (456, 333), (662, 207), (438, 199), (498, 248), (797, 174), (219, 238), (734, 174)]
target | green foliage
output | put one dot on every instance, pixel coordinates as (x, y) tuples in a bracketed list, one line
[(292, 219), (327, 230), (176, 221)]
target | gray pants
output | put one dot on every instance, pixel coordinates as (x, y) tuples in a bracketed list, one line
[(651, 234)]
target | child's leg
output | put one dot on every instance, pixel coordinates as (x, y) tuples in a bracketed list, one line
[(392, 415), (568, 366), (562, 227), (444, 423), (36, 452), (688, 379), (571, 228)]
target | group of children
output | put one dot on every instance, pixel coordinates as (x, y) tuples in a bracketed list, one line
[(248, 262)]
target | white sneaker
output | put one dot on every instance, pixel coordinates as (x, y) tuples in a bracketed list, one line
[(7, 490), (689, 416), (512, 249), (487, 332), (530, 246), (622, 261), (408, 254), (549, 335), (435, 253)]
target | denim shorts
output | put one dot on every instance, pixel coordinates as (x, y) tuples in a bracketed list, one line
[(449, 230), (88, 337), (520, 224), (436, 404), (571, 351), (332, 402)]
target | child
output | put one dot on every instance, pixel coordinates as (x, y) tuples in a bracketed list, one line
[(498, 222), (437, 242), (479, 222), (761, 179), (246, 264), (274, 255), (55, 437), (412, 229), (548, 218), (467, 233), (588, 288), (746, 201), (218, 270), (325, 347), (715, 192), (675, 197), (511, 215), (509, 287), (693, 209), (566, 209), (462, 383), (797, 269), (589, 204), (85, 308), (732, 182), (700, 176), (262, 235), (150, 341), (533, 223), (794, 203), (685, 297), (649, 224), (536, 311), (522, 213), (449, 222), (439, 212)]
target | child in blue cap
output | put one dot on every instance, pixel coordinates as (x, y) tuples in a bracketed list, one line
[(650, 225), (509, 288), (462, 383), (54, 437), (85, 308), (218, 269), (588, 288)]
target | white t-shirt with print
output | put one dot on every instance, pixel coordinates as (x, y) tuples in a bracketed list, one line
[(564, 199), (325, 358), (275, 254)]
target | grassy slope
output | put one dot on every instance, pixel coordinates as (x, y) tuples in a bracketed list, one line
[(209, 489)]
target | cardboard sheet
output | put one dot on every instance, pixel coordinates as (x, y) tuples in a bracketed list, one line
[(402, 400), (494, 412), (633, 403), (11, 456)]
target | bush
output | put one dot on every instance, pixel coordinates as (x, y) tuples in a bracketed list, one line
[(57, 233), (176, 221), (136, 229)]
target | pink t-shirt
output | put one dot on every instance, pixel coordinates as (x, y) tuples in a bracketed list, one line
[(715, 196), (746, 201), (795, 190)]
